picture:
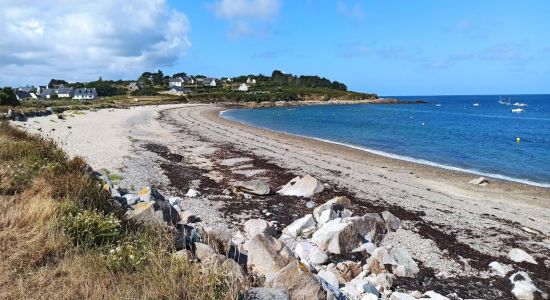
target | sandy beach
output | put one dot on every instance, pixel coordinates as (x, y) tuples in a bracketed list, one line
[(453, 228)]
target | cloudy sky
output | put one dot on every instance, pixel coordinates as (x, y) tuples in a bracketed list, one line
[(389, 47)]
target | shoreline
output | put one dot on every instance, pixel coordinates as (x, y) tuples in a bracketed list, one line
[(452, 228), (269, 104), (413, 160)]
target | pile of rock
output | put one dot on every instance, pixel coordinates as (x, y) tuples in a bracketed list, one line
[(22, 116), (300, 260), (328, 254)]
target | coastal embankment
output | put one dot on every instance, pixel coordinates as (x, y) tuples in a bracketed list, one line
[(451, 228)]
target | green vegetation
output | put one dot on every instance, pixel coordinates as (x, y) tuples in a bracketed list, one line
[(8, 98), (61, 237)]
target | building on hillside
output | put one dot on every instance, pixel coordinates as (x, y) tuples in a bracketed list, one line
[(85, 94), (28, 89), (178, 81), (251, 80), (243, 87), (209, 82), (22, 95), (40, 89), (179, 91), (133, 86), (188, 80), (63, 92), (59, 92)]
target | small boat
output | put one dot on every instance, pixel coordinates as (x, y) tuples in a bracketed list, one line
[(518, 110), (438, 105), (520, 104), (476, 104)]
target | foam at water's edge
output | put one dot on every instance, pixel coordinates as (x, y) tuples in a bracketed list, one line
[(400, 157)]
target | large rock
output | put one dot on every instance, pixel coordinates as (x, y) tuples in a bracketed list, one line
[(479, 181), (299, 282), (153, 212), (342, 235), (524, 289), (306, 186), (203, 251), (305, 225), (519, 255), (500, 269), (131, 199), (405, 266), (267, 255), (392, 222), (253, 187), (192, 193), (329, 277), (332, 209), (263, 293), (253, 227), (150, 194)]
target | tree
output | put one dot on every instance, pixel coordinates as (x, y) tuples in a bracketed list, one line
[(55, 82), (181, 74), (7, 97)]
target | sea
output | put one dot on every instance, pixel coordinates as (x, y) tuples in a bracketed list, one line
[(477, 134)]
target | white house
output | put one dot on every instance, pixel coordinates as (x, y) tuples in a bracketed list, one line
[(179, 91), (85, 94), (251, 80), (209, 81), (178, 81), (243, 87), (133, 86), (63, 92)]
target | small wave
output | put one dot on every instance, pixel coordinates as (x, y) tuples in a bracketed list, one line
[(404, 158)]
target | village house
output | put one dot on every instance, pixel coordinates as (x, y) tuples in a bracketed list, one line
[(85, 94), (40, 89), (22, 95), (251, 80), (243, 87), (179, 91), (209, 82), (178, 81), (133, 86), (28, 89), (63, 92)]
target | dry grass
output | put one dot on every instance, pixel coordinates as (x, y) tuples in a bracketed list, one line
[(39, 260)]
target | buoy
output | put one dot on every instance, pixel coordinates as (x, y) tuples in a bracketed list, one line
[(518, 140)]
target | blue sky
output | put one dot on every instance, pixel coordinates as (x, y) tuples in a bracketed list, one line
[(387, 47)]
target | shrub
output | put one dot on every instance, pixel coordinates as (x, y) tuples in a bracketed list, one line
[(129, 254), (88, 228)]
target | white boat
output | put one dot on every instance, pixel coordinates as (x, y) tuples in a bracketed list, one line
[(504, 102), (438, 105), (520, 104), (518, 110), (476, 104)]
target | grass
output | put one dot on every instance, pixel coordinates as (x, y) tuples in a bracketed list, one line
[(62, 238)]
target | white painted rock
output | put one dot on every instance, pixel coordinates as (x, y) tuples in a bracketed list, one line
[(305, 225), (306, 186), (519, 255)]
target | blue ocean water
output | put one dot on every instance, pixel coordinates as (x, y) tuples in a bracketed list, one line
[(471, 133)]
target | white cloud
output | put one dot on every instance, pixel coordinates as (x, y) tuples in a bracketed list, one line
[(246, 15), (81, 40)]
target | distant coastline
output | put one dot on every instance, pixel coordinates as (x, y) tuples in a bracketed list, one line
[(267, 104)]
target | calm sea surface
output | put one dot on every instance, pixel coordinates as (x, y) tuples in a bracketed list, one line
[(473, 133)]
